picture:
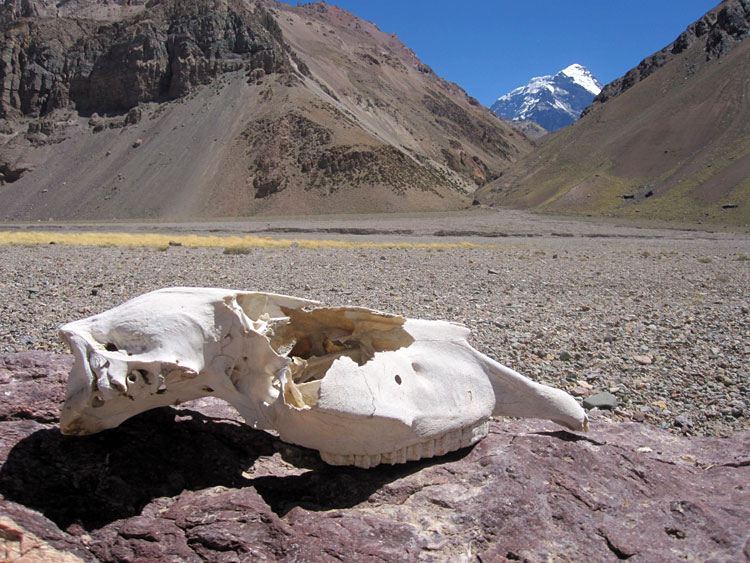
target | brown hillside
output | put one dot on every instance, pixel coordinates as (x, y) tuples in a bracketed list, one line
[(218, 108), (674, 144)]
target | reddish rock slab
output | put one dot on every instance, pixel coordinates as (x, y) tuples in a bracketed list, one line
[(32, 385), (193, 484)]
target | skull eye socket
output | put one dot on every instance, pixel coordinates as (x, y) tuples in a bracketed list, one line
[(137, 374), (398, 379)]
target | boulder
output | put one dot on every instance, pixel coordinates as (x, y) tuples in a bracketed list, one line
[(17, 544), (192, 483), (32, 386)]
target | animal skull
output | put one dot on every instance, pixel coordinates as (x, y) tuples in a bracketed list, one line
[(360, 386)]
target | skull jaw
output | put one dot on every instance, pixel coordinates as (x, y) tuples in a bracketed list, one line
[(404, 443), (434, 447)]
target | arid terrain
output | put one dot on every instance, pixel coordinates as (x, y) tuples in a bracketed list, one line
[(210, 109), (658, 317), (229, 108), (255, 145)]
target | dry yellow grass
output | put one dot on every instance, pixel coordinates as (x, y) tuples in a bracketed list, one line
[(155, 240)]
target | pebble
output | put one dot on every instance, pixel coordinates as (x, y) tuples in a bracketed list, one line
[(578, 391), (683, 421), (603, 400)]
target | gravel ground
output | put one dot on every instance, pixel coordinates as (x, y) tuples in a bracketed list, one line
[(661, 319)]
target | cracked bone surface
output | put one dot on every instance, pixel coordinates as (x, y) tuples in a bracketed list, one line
[(360, 386)]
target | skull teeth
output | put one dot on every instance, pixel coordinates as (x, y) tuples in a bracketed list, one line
[(440, 445)]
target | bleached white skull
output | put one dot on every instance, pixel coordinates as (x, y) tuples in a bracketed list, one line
[(359, 386)]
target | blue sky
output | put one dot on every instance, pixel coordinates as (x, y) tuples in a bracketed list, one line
[(490, 47)]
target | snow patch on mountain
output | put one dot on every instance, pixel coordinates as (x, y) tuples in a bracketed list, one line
[(551, 101), (583, 77)]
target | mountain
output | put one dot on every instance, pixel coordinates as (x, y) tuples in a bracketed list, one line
[(553, 102), (224, 108), (531, 129), (670, 140)]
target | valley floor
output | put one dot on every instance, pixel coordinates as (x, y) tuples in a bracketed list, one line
[(660, 318), (479, 222)]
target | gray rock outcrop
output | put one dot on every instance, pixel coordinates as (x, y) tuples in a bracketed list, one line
[(51, 63), (718, 31)]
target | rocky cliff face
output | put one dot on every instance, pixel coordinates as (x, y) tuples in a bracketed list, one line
[(13, 9), (54, 63), (719, 31), (109, 10)]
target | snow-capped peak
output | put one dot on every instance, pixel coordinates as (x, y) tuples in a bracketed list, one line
[(552, 101), (583, 77)]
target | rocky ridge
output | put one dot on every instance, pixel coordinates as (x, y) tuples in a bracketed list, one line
[(112, 9), (531, 129), (718, 32)]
